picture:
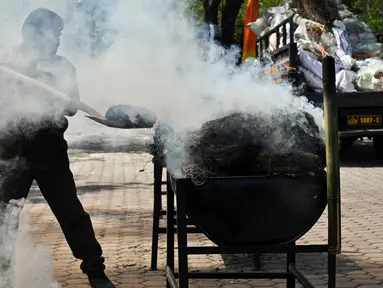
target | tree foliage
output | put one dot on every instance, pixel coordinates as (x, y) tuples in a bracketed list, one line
[(370, 11)]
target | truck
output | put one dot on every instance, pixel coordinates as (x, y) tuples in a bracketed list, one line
[(359, 113)]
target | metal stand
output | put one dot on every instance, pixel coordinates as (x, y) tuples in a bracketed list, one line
[(290, 273), (159, 213), (333, 172)]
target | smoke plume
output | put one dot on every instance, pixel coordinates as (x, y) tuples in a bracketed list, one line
[(143, 53)]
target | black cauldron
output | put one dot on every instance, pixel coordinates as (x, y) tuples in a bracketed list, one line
[(257, 210)]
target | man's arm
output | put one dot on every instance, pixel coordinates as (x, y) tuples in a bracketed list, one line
[(69, 85), (74, 94)]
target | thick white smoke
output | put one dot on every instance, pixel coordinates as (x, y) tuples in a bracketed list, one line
[(30, 262), (151, 59), (154, 61)]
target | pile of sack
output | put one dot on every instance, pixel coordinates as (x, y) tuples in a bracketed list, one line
[(350, 41)]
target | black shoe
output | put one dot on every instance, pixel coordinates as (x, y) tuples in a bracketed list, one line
[(100, 281)]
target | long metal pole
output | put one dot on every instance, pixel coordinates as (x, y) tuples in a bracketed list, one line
[(332, 164)]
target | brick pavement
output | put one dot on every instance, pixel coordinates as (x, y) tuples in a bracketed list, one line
[(119, 198)]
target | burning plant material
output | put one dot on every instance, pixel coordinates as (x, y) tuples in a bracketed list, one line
[(131, 116), (244, 144), (126, 117)]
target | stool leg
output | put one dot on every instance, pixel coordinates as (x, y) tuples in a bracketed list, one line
[(160, 185), (291, 278), (156, 213), (257, 261), (169, 230), (331, 270), (183, 269)]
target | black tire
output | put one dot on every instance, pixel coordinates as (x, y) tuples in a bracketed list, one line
[(378, 146)]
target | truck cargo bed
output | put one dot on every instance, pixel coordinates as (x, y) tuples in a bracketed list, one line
[(359, 113)]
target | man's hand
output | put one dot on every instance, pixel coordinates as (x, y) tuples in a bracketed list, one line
[(71, 109)]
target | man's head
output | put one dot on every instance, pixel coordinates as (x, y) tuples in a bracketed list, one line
[(42, 30)]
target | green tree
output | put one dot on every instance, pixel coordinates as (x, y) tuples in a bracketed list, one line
[(369, 11)]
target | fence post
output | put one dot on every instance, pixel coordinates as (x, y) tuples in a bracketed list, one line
[(332, 164)]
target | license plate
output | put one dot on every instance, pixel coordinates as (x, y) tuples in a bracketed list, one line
[(355, 120)]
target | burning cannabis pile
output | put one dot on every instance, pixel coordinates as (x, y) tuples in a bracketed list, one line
[(243, 144)]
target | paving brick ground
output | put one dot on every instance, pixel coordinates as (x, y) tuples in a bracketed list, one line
[(119, 198)]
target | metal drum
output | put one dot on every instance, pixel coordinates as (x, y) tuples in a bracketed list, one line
[(259, 210)]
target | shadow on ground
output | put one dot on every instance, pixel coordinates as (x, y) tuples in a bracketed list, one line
[(35, 196), (111, 145), (79, 156), (308, 263), (106, 148)]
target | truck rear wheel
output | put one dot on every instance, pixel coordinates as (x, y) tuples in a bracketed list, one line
[(378, 146)]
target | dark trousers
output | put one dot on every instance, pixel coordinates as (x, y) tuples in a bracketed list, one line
[(45, 160), (229, 16)]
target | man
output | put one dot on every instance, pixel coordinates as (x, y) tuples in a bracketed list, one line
[(43, 151), (229, 16)]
